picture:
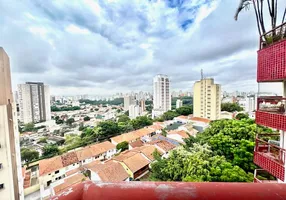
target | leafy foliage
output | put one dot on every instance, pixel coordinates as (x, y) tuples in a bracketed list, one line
[(50, 150), (122, 146), (198, 163), (29, 127), (240, 116), (123, 118), (141, 122), (86, 118), (64, 108), (185, 110), (29, 155), (230, 107), (116, 101), (70, 121)]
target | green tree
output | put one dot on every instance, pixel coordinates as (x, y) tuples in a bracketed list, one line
[(141, 122), (29, 155), (108, 128), (29, 127), (42, 140), (240, 116), (122, 146), (86, 118), (230, 107), (185, 110), (50, 150), (169, 115), (123, 118), (70, 121), (164, 132)]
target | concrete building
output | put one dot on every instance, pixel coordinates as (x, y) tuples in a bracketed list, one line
[(179, 103), (161, 95), (248, 103), (34, 102), (207, 99), (128, 100), (11, 180), (134, 111)]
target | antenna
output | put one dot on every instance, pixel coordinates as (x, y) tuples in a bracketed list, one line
[(202, 74)]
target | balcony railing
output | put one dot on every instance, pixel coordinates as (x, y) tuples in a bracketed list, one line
[(271, 112), (172, 190), (272, 56), (261, 172), (273, 36), (269, 156)]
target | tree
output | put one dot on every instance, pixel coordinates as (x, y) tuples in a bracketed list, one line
[(164, 132), (141, 122), (185, 110), (240, 116), (29, 155), (70, 121), (233, 139), (197, 164), (50, 150), (42, 140), (86, 118), (230, 107), (29, 127), (169, 115), (108, 128), (123, 118), (258, 10), (122, 146)]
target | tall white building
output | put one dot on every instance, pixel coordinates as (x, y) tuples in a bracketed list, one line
[(207, 99), (134, 111), (128, 100), (34, 102), (11, 181), (161, 95), (179, 103), (248, 103)]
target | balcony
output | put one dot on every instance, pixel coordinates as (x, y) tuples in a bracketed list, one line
[(272, 56), (271, 112), (172, 190), (258, 176), (269, 156)]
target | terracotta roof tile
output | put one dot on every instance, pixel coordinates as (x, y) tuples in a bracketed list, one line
[(182, 133), (69, 158), (110, 171), (183, 117), (164, 145), (100, 148), (133, 135), (147, 150), (68, 182), (50, 165), (83, 154), (136, 162), (137, 143)]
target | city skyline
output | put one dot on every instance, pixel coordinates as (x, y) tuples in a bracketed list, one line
[(65, 58)]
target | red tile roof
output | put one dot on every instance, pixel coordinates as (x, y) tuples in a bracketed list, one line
[(47, 166), (68, 182), (182, 133), (164, 145), (69, 158), (133, 135), (137, 143), (110, 171)]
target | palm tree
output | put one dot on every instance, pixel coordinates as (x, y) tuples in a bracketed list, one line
[(258, 6)]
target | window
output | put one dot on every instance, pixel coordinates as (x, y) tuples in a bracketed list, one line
[(1, 166), (56, 172), (49, 183), (1, 185)]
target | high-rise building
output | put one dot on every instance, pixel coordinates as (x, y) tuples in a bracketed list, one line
[(34, 102), (179, 103), (134, 111), (161, 95), (142, 105), (11, 182), (207, 99), (128, 100)]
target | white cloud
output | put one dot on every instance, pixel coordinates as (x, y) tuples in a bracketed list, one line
[(76, 30)]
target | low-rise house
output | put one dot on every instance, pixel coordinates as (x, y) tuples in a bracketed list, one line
[(109, 171), (56, 168), (68, 182), (200, 123), (178, 135), (170, 140), (182, 119), (135, 164), (163, 146), (137, 143)]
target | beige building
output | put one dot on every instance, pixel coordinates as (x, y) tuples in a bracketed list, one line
[(207, 99), (11, 181)]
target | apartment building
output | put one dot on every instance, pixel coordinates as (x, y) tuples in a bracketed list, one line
[(207, 99), (161, 95), (179, 103), (34, 102), (11, 180)]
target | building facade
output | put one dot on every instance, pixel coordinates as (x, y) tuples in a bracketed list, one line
[(34, 102), (161, 95), (134, 111), (179, 103), (11, 182), (128, 100), (207, 99)]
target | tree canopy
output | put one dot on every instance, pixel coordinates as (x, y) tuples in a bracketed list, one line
[(230, 107), (50, 150), (123, 118), (122, 146), (86, 118), (29, 155), (64, 108), (29, 127)]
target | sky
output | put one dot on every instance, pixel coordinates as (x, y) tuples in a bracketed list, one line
[(108, 46)]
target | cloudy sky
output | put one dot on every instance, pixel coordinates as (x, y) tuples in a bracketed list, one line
[(108, 46)]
